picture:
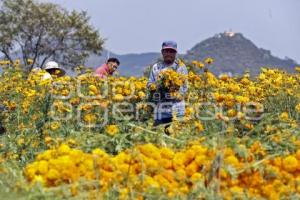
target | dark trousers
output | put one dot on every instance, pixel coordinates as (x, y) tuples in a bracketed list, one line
[(162, 121)]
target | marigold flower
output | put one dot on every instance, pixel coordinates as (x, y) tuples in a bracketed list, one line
[(29, 61), (199, 127), (209, 60), (93, 88), (112, 129), (298, 108), (90, 118), (118, 97), (290, 163), (53, 174), (64, 149), (284, 116), (48, 140)]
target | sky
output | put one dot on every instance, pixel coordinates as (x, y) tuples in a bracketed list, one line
[(137, 26)]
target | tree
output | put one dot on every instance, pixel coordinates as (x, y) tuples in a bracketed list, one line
[(43, 31)]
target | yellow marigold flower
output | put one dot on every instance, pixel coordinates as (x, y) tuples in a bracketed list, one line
[(200, 159), (241, 99), (298, 108), (198, 64), (127, 84), (277, 162), (249, 126), (42, 167), (198, 149), (112, 130), (169, 175), (29, 61), (75, 101), (181, 63), (237, 190), (162, 181), (196, 177), (118, 97), (126, 92), (47, 155), (150, 151), (245, 81), (93, 89), (178, 160), (74, 189), (165, 163), (53, 174), (192, 168), (90, 118), (99, 152), (290, 163), (2, 62), (180, 174), (190, 154), (54, 126), (21, 141), (166, 153), (232, 160), (298, 154), (209, 60), (194, 62), (17, 62), (184, 189), (256, 147), (224, 77), (231, 113), (89, 164), (230, 129), (64, 149), (284, 116), (240, 115), (141, 94), (199, 127), (262, 77), (219, 97), (71, 142), (298, 187), (150, 182)]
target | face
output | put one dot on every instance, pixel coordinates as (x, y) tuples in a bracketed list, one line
[(113, 66), (56, 72), (169, 55)]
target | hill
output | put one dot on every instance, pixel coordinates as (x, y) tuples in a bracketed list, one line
[(232, 52)]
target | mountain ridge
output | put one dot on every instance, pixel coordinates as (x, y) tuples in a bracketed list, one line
[(233, 53)]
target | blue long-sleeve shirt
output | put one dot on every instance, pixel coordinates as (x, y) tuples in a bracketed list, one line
[(165, 109)]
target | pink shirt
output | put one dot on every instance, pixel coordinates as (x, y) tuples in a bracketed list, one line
[(102, 71)]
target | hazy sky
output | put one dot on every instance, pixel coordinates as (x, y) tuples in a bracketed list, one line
[(135, 26)]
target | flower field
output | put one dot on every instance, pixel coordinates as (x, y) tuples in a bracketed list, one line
[(83, 137)]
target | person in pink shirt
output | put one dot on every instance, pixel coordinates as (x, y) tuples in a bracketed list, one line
[(108, 68)]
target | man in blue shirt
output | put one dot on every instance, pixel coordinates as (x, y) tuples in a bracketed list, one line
[(166, 105)]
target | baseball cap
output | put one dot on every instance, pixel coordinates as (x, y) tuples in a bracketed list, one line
[(169, 45)]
